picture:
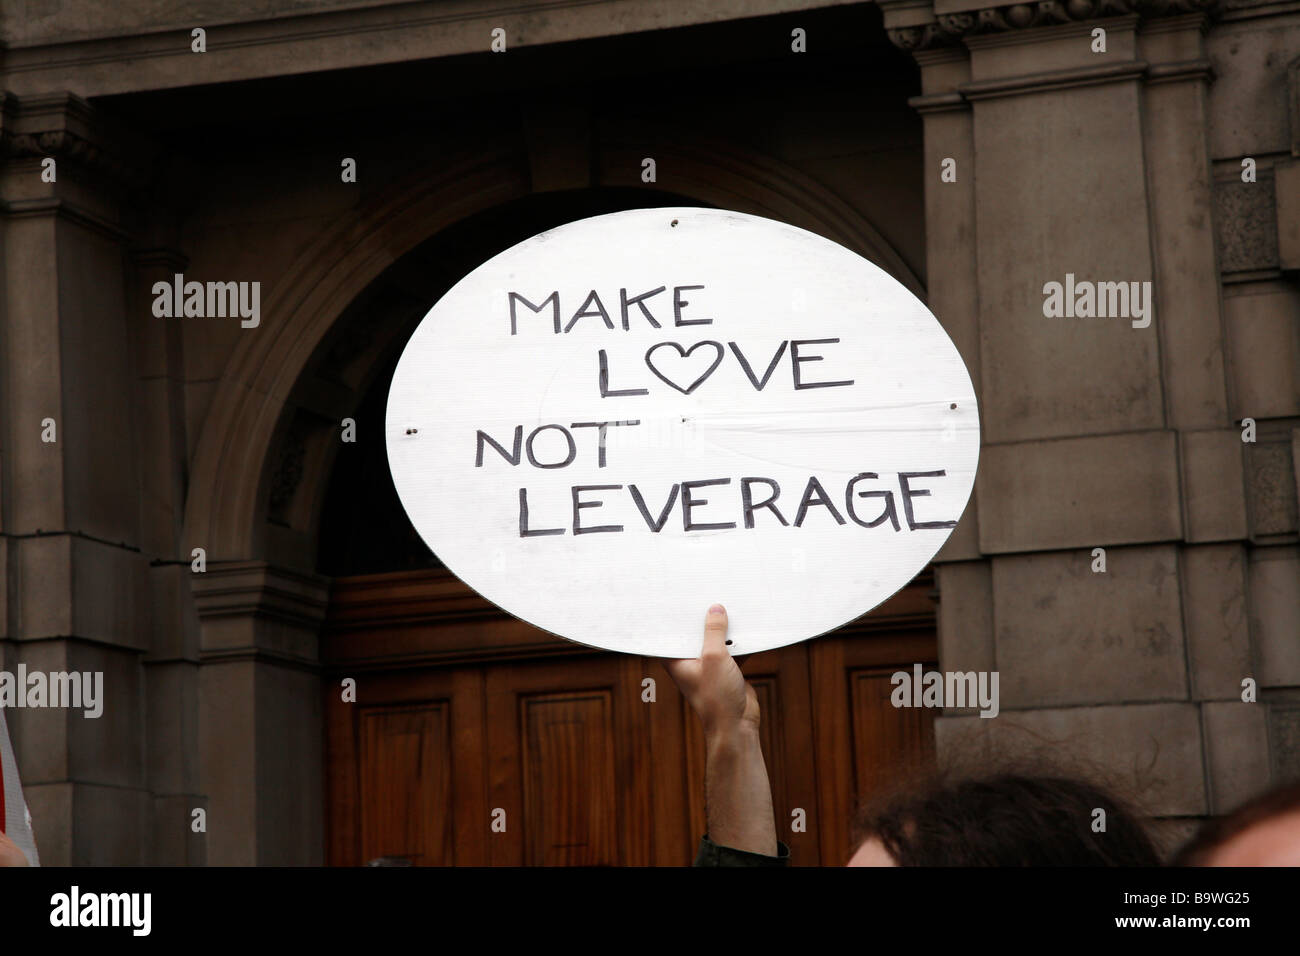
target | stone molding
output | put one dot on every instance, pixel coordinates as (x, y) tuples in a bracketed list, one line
[(66, 127), (952, 28), (152, 51), (256, 588)]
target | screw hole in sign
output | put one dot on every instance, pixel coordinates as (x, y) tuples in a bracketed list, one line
[(674, 222)]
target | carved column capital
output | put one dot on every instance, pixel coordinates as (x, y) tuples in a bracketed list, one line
[(68, 128)]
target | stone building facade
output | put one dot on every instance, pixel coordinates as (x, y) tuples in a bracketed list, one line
[(182, 433)]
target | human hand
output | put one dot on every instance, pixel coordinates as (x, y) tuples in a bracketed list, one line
[(713, 684), (10, 855)]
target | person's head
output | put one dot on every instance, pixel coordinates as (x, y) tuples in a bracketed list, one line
[(1004, 819), (1264, 831)]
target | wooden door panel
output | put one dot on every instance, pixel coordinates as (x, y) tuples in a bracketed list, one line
[(887, 740), (862, 741), (570, 762), (674, 836), (405, 758), (567, 767), (404, 768)]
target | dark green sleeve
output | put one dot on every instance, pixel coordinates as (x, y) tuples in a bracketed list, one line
[(713, 855)]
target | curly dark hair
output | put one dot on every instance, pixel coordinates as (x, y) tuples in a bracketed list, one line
[(1006, 819)]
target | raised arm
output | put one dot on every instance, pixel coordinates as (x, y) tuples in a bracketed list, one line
[(738, 797)]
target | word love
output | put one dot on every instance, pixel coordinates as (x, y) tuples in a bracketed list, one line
[(756, 494), (677, 369)]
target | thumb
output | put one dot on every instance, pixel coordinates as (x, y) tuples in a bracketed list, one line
[(715, 632)]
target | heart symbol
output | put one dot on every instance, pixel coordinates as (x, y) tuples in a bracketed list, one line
[(685, 354)]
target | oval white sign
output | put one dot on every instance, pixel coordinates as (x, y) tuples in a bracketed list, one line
[(617, 423)]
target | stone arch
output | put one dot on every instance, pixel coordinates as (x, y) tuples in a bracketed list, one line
[(230, 474)]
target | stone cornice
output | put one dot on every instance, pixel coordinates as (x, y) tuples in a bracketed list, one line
[(246, 588), (66, 127), (149, 48), (951, 28), (54, 206), (1124, 71)]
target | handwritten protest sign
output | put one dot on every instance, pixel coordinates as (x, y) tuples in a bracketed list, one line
[(619, 422)]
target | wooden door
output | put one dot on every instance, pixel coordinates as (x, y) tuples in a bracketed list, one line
[(475, 739)]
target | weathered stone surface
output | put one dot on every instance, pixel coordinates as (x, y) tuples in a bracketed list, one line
[(1149, 753), (1187, 291), (1275, 615), (80, 824), (1246, 220), (64, 743), (172, 714), (1054, 377), (1067, 635), (228, 758), (261, 760), (174, 841), (1248, 100), (67, 584), (1265, 343), (1079, 493), (175, 622), (1236, 752), (965, 618), (1284, 737), (1214, 607), (1286, 184), (1214, 492), (1271, 484)]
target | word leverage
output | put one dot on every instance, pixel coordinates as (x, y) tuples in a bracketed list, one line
[(814, 496)]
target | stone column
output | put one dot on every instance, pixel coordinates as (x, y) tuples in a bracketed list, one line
[(172, 664), (1097, 432), (260, 728), (75, 570)]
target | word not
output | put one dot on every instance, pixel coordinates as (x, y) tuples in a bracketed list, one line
[(519, 447), (946, 689), (103, 909), (1086, 300), (56, 689), (814, 496), (214, 300)]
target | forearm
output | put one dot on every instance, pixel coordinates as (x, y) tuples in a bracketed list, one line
[(738, 797)]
